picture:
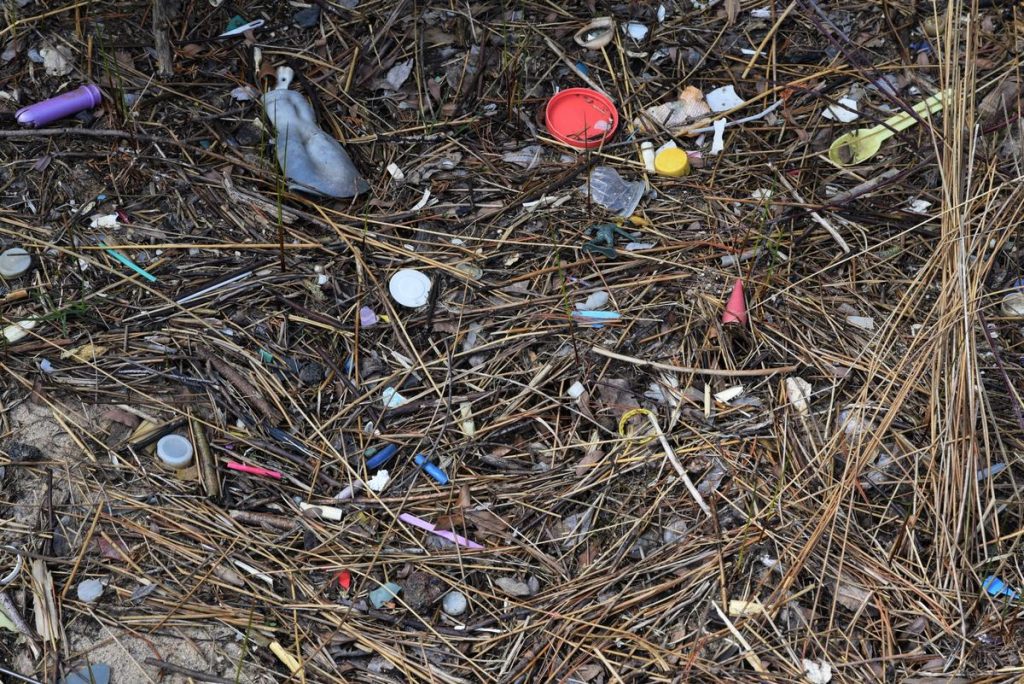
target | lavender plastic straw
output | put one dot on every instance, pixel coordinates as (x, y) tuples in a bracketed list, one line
[(429, 527), (71, 102)]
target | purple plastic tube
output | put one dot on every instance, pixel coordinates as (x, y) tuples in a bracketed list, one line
[(71, 102)]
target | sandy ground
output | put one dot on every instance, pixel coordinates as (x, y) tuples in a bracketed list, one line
[(88, 636)]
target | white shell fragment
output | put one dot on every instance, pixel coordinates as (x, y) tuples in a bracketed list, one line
[(1012, 305)]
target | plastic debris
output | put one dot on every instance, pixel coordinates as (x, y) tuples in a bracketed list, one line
[(997, 588), (410, 288), (736, 307), (90, 590), (729, 394), (607, 188), (64, 105), (581, 118), (862, 144), (817, 672), (398, 74), (174, 451), (798, 393), (58, 61), (379, 458), (454, 603), (383, 594), (844, 111), (93, 673), (723, 99), (672, 163), (446, 534), (392, 399), (325, 512), (378, 482), (367, 317), (17, 331), (862, 322), (253, 470), (689, 108), (313, 161), (576, 390), (431, 469), (528, 157), (718, 142), (14, 262), (635, 30), (593, 302)]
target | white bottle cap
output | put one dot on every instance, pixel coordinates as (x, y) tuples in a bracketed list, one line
[(410, 288), (175, 451), (14, 262)]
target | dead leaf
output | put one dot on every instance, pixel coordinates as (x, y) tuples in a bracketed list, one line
[(117, 551), (86, 353), (732, 10), (1001, 100)]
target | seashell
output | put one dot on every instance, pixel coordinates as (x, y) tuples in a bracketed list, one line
[(596, 34), (1013, 305), (687, 109)]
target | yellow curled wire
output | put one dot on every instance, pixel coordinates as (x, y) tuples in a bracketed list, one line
[(629, 414)]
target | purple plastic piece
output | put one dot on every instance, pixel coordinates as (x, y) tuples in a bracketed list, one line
[(71, 102), (367, 317)]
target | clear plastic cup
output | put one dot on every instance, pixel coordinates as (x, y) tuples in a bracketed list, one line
[(618, 196)]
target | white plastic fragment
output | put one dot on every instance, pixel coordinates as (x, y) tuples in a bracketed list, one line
[(647, 154), (637, 246), (392, 399), (17, 331), (919, 206), (862, 322), (636, 30), (396, 172), (819, 672), (398, 74), (244, 93), (378, 482), (728, 394), (454, 603), (576, 390), (723, 99), (798, 392), (103, 221), (843, 112), (661, 13), (718, 144), (410, 288), (528, 157), (761, 13), (595, 301), (90, 590), (424, 201)]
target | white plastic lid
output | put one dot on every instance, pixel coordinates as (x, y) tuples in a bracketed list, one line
[(175, 451), (14, 262), (410, 288)]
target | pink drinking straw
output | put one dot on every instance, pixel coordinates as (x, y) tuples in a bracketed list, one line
[(254, 470), (71, 102)]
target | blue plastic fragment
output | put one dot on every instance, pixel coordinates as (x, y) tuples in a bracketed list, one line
[(431, 469), (96, 673), (384, 593), (381, 457), (997, 588)]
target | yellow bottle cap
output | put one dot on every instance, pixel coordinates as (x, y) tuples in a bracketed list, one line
[(672, 162)]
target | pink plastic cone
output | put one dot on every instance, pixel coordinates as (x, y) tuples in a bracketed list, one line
[(736, 307)]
